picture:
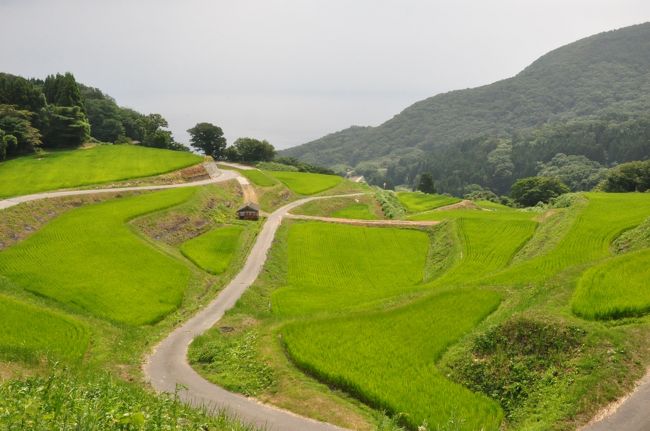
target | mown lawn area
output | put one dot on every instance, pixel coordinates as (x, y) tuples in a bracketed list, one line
[(416, 202), (305, 183), (98, 164), (29, 333), (213, 251), (334, 266), (90, 259)]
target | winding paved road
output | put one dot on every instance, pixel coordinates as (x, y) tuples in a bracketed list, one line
[(216, 176), (167, 366)]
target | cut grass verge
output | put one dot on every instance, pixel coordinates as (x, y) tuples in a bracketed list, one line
[(90, 259), (213, 251), (99, 164)]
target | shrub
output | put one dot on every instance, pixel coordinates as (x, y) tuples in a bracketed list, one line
[(532, 190)]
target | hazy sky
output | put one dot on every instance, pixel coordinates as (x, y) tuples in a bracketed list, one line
[(290, 70)]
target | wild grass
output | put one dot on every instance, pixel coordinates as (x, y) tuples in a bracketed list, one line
[(67, 402), (89, 259), (213, 251), (258, 177), (305, 183), (616, 288), (331, 266), (99, 164), (29, 333), (356, 211), (390, 204), (416, 202), (388, 359)]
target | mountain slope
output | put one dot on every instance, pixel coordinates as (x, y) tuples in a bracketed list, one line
[(608, 72)]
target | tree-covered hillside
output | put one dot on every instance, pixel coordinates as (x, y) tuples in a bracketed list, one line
[(603, 78), (59, 112)]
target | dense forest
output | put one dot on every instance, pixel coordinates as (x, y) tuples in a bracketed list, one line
[(59, 112), (590, 99)]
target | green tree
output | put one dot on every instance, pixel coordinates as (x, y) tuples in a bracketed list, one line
[(252, 150), (628, 177), (209, 139), (532, 190), (62, 90), (17, 124), (577, 172), (67, 126), (426, 184)]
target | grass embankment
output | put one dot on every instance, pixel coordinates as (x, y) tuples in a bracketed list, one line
[(416, 202), (90, 260), (213, 251), (95, 165), (258, 177), (306, 183)]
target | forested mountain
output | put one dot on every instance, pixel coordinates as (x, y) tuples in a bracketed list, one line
[(591, 98), (58, 112)]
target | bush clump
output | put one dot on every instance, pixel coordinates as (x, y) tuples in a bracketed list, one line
[(390, 204), (513, 360)]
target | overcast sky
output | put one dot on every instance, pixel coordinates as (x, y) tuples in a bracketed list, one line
[(291, 70)]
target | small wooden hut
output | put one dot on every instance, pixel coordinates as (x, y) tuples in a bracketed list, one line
[(250, 211)]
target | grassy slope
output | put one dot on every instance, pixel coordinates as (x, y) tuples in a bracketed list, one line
[(363, 207), (89, 259), (416, 202), (258, 177), (29, 332), (99, 164), (213, 251), (306, 183), (363, 264)]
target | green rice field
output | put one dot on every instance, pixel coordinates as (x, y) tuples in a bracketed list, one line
[(213, 251), (416, 202), (29, 333), (305, 183), (388, 359), (258, 177), (363, 265), (90, 259), (95, 165)]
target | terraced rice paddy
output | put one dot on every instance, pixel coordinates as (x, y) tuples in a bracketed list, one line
[(213, 251), (362, 265), (416, 202), (29, 333), (305, 183), (258, 177), (89, 259), (617, 288), (356, 211), (99, 164), (388, 359)]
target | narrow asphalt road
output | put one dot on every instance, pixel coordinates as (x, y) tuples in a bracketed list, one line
[(167, 367), (216, 176), (633, 414)]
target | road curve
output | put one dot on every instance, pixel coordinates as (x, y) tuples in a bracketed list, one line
[(167, 366), (633, 414), (216, 176)]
